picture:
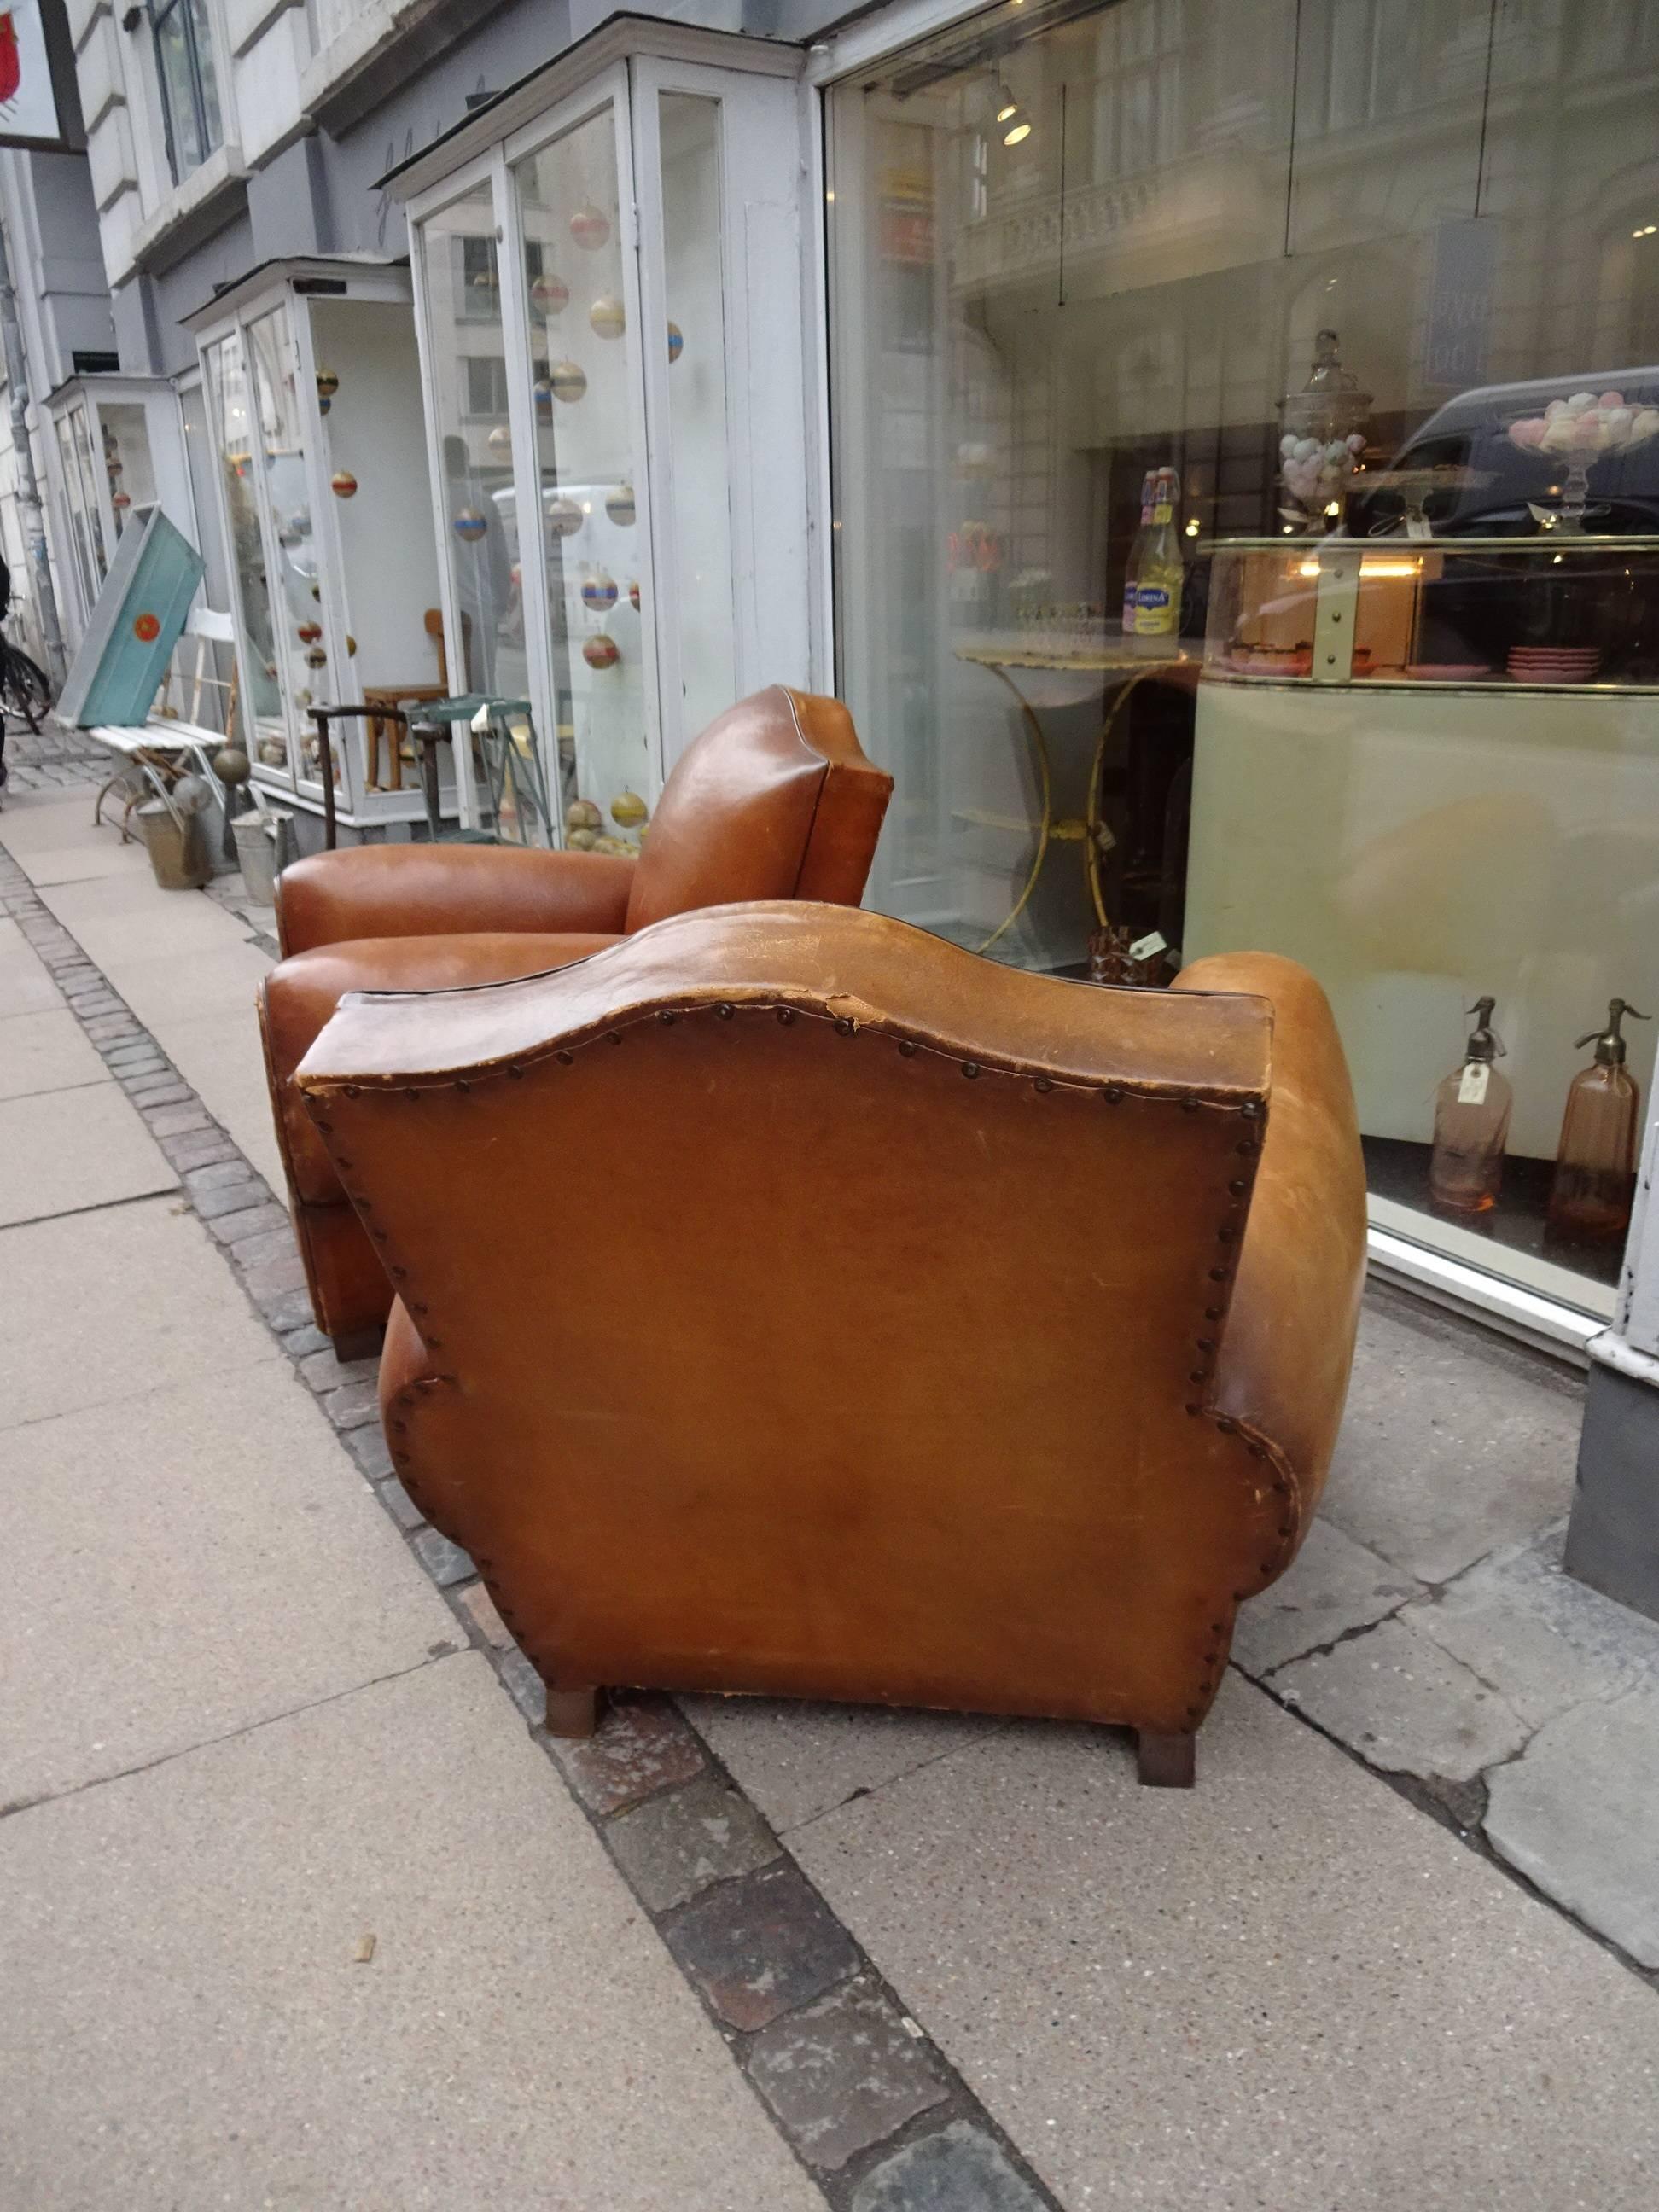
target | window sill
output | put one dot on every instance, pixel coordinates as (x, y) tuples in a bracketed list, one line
[(180, 220), (353, 51)]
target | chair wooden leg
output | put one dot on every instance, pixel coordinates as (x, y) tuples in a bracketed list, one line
[(1165, 1762), (573, 1714)]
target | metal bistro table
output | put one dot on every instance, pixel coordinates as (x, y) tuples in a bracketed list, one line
[(1004, 651)]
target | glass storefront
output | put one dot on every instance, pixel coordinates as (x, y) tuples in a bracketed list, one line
[(314, 404), (1245, 429), (616, 409)]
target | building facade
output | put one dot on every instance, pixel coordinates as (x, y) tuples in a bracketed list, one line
[(1214, 448)]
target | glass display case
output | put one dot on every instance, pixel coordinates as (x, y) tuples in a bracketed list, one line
[(1429, 771), (117, 451), (618, 449), (315, 415), (1552, 611)]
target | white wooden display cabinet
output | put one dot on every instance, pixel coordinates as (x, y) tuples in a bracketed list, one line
[(313, 396), (623, 520), (117, 451)]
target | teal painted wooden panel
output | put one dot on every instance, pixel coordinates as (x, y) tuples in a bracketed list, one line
[(139, 618)]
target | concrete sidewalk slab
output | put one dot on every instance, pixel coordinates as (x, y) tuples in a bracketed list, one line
[(53, 838), (1454, 1442), (220, 1055), (198, 983), (187, 2025), (1286, 1988), (1332, 1587), (25, 986), (47, 1051), (97, 1307), (126, 918), (206, 1557), (1544, 1642), (1575, 1813), (62, 1150), (799, 1760), (1405, 1704)]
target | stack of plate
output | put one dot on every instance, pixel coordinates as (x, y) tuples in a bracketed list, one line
[(1554, 664)]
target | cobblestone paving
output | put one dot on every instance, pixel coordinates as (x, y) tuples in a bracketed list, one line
[(54, 759)]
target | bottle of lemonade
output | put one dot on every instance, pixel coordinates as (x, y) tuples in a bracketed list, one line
[(1161, 575), (1137, 554)]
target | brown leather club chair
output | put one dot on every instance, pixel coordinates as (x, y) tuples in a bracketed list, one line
[(775, 799), (793, 1303)]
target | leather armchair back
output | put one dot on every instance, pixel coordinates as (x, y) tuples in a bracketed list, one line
[(798, 1304), (775, 799)]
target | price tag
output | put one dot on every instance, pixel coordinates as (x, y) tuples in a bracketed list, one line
[(1471, 1090), (1144, 947)]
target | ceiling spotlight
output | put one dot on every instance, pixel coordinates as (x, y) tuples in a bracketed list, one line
[(1006, 104), (1016, 129)]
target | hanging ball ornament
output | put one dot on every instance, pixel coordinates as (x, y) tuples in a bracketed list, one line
[(550, 292), (120, 502), (600, 651), (351, 646), (542, 394), (633, 597), (569, 380), (564, 518), (111, 467), (471, 525), (327, 384), (628, 810), (501, 438), (590, 229), (607, 318), (582, 814), (676, 342), (598, 594), (342, 484), (316, 658), (620, 504), (323, 406), (308, 633)]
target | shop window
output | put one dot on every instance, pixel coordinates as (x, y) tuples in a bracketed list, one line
[(581, 348), (475, 446), (183, 33), (315, 405), (582, 279), (1303, 277), (233, 412)]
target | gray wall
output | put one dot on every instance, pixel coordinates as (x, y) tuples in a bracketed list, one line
[(318, 196)]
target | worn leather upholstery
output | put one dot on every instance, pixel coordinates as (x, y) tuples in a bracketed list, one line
[(793, 1303), (775, 799)]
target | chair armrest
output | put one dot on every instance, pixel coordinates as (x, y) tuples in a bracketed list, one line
[(1288, 1345), (442, 890)]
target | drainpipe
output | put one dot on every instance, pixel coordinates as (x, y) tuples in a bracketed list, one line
[(29, 488), (1612, 1537)]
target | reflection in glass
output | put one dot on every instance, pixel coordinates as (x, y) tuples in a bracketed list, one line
[(127, 461), (581, 363), (233, 417), (702, 573), (475, 445), (1357, 273), (84, 533), (304, 651)]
